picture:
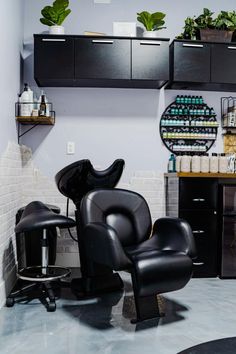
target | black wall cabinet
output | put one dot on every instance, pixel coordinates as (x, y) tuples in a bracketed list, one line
[(202, 65), (100, 61)]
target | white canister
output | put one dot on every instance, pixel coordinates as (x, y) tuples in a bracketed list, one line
[(185, 163), (214, 163), (196, 164), (223, 163), (204, 163), (177, 163)]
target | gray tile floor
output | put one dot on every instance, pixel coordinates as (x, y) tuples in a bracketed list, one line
[(204, 310)]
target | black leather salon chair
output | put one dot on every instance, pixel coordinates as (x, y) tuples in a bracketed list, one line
[(74, 181), (117, 232), (38, 279)]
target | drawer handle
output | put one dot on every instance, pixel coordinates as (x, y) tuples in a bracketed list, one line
[(102, 41), (198, 263), (199, 200), (150, 43), (198, 231), (234, 48), (53, 40), (193, 45)]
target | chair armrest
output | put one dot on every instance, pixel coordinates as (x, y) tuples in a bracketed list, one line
[(103, 246), (175, 234)]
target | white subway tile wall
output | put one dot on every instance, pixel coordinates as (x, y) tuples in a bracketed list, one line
[(22, 182)]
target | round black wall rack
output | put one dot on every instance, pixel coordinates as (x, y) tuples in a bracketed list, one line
[(188, 125)]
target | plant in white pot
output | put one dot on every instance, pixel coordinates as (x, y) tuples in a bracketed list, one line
[(55, 15), (153, 22)]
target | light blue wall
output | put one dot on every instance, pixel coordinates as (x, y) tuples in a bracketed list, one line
[(10, 64), (108, 123)]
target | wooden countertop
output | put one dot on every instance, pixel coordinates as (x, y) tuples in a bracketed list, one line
[(201, 175)]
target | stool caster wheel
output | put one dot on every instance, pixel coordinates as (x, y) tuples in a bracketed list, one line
[(10, 302), (51, 307)]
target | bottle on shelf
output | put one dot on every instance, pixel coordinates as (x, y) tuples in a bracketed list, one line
[(185, 165), (205, 166), (172, 164), (26, 101), (42, 107), (178, 162), (196, 164), (214, 163), (223, 163)]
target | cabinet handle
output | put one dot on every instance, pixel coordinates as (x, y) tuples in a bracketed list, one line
[(198, 263), (150, 43), (198, 231), (102, 41), (193, 45), (53, 40), (199, 200), (232, 48)]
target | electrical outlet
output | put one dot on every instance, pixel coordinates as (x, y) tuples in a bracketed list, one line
[(70, 150)]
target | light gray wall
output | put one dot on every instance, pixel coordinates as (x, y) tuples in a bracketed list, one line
[(10, 65), (109, 123)]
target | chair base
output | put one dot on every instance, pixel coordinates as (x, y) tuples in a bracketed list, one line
[(92, 286), (27, 291), (147, 308)]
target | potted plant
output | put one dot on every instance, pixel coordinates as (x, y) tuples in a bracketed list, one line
[(219, 29), (54, 16), (190, 29), (152, 22)]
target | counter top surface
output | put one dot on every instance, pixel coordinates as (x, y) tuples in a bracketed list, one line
[(201, 175)]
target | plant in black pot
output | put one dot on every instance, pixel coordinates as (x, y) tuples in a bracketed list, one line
[(152, 22), (54, 16)]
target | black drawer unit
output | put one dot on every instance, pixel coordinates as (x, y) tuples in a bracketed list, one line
[(197, 193), (223, 59), (107, 61), (204, 227)]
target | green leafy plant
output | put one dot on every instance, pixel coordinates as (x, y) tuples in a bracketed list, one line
[(152, 21), (55, 14), (190, 29), (205, 20), (226, 20)]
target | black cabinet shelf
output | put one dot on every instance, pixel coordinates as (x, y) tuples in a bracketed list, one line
[(199, 65), (106, 61)]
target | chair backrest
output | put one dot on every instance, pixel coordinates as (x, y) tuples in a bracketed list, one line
[(127, 212), (80, 177)]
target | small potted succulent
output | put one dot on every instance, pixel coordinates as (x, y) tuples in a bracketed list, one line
[(153, 22), (54, 16)]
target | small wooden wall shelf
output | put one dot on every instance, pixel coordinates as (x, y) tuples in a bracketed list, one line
[(36, 120)]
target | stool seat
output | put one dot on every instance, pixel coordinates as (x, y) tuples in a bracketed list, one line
[(38, 216)]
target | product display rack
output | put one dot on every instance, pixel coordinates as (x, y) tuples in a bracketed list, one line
[(228, 115), (33, 121), (188, 125)]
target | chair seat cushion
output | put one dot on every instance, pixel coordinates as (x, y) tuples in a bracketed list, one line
[(158, 271)]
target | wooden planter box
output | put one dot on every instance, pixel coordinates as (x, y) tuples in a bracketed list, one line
[(214, 35)]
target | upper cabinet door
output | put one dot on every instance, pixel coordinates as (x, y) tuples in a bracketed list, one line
[(53, 58), (223, 63), (191, 62), (102, 58), (150, 59)]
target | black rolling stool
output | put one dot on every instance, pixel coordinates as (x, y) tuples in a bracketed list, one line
[(75, 181), (37, 216)]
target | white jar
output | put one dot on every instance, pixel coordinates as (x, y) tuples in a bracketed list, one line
[(185, 163), (196, 163), (223, 164), (204, 163), (177, 163), (214, 164)]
